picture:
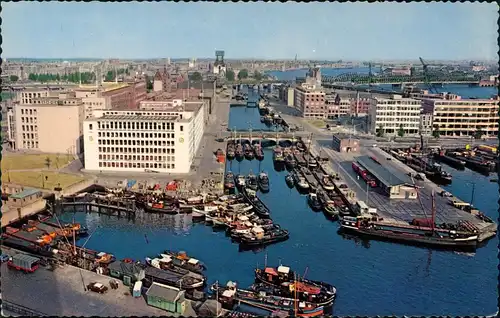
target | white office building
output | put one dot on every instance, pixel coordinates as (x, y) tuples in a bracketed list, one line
[(390, 114), (163, 136)]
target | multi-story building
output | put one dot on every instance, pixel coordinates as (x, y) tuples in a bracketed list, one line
[(113, 95), (163, 137), (457, 117), (426, 123), (289, 95), (50, 124), (360, 106), (390, 114), (337, 107), (310, 101)]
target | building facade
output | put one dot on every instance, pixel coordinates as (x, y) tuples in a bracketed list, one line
[(426, 124), (52, 125), (337, 107), (392, 114), (163, 137), (457, 117), (360, 106), (310, 101)]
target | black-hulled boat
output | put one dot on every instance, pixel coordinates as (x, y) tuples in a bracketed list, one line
[(263, 182), (259, 237), (301, 183), (249, 154), (229, 182), (260, 209), (278, 156), (181, 259), (314, 202), (165, 273), (450, 161), (290, 182), (290, 162), (251, 181), (282, 277), (231, 152), (259, 153), (300, 146), (239, 152)]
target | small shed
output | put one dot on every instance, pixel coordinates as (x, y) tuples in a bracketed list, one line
[(25, 197), (128, 272), (166, 297)]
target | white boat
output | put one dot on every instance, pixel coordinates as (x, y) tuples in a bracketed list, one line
[(203, 212)]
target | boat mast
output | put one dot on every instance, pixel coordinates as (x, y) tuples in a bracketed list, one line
[(295, 294), (433, 211), (217, 298)]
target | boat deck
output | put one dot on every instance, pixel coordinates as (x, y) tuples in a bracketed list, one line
[(60, 293)]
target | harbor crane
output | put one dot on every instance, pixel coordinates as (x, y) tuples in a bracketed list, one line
[(426, 77)]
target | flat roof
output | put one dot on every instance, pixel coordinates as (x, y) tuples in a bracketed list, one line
[(106, 87), (387, 177), (24, 193)]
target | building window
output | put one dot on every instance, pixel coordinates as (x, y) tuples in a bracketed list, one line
[(182, 128), (90, 126)]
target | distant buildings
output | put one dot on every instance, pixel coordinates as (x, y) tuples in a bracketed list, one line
[(162, 136), (392, 114)]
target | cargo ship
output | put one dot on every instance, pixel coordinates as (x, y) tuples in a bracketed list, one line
[(450, 161)]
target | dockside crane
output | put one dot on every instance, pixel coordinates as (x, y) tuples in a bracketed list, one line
[(426, 77)]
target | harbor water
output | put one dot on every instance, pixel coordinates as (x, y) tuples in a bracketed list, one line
[(372, 278)]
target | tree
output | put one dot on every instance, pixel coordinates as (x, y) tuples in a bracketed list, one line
[(110, 76), (380, 131), (401, 131), (257, 75), (436, 133), (243, 74), (195, 76), (14, 78), (478, 134), (48, 162), (230, 75), (149, 84)]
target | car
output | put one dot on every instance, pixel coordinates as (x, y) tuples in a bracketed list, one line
[(4, 258), (97, 288)]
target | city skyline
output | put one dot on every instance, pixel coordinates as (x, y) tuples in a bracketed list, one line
[(251, 30)]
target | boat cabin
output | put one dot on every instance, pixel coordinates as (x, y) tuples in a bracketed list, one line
[(258, 232)]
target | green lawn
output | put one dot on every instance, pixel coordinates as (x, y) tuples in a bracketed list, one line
[(43, 180), (33, 161)]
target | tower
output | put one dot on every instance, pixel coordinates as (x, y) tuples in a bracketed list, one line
[(219, 66)]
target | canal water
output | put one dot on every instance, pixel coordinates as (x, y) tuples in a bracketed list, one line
[(372, 278)]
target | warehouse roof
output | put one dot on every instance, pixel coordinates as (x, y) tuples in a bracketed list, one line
[(384, 175)]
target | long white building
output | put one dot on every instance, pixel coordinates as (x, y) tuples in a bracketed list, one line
[(163, 136), (389, 114)]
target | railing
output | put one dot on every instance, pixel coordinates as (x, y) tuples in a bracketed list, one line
[(23, 311)]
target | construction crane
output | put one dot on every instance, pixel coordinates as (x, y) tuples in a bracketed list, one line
[(426, 77)]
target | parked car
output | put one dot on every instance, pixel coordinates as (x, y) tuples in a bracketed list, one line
[(4, 258), (97, 288)]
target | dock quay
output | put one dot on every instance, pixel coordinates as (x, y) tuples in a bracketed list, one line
[(404, 210), (61, 292)]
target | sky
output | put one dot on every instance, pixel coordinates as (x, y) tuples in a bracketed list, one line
[(348, 31)]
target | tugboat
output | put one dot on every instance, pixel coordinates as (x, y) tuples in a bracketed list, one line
[(263, 181), (283, 279), (249, 154), (230, 151), (314, 202), (301, 183), (290, 182), (251, 181), (290, 162), (239, 152), (259, 154), (278, 158), (229, 181)]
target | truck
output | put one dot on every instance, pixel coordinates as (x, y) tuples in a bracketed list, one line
[(137, 291), (23, 262)]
